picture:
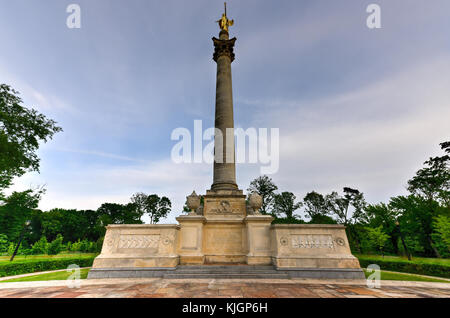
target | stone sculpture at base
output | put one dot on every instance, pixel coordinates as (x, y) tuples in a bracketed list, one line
[(225, 229)]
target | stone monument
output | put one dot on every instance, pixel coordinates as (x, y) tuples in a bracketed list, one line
[(225, 230)]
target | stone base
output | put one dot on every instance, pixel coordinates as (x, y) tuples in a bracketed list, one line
[(192, 260), (226, 244), (225, 259), (226, 272), (325, 273), (131, 272), (136, 262), (259, 260), (345, 261), (139, 246)]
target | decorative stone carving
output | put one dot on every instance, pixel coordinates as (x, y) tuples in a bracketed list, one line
[(284, 241), (166, 240), (224, 207), (340, 241), (228, 206), (248, 209), (199, 210), (138, 241), (256, 202), (223, 47), (193, 202), (312, 241), (111, 241)]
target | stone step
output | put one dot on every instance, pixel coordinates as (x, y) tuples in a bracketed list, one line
[(226, 272), (246, 268), (227, 275)]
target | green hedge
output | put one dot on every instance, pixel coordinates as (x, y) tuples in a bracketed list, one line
[(406, 266), (17, 268)]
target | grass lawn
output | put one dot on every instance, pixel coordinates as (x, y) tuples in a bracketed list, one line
[(25, 258), (406, 277), (417, 260), (63, 275)]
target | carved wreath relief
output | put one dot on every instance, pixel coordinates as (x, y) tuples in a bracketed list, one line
[(223, 207)]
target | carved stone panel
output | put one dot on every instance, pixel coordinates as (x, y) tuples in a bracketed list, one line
[(225, 206), (148, 242), (312, 241)]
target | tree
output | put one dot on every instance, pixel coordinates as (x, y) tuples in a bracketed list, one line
[(315, 205), (377, 237), (40, 247), (16, 210), (4, 244), (153, 205), (265, 187), (442, 227), (416, 217), (340, 205), (55, 247), (386, 217), (433, 181), (431, 187), (114, 213), (284, 204), (21, 130)]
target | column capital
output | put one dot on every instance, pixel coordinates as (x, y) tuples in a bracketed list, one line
[(223, 47)]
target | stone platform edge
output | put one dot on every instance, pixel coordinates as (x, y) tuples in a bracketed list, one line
[(315, 273)]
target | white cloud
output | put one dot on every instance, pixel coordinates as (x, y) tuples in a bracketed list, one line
[(373, 138), (90, 187)]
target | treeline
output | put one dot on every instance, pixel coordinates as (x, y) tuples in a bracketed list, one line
[(76, 230), (415, 224)]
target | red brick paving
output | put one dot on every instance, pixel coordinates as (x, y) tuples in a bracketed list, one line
[(221, 288)]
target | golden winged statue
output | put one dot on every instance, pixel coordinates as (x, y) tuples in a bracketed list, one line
[(224, 22)]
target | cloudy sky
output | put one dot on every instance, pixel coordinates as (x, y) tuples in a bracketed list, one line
[(355, 106)]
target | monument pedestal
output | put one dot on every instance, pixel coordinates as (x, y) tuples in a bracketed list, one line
[(139, 246), (279, 250), (190, 245), (224, 238), (312, 247), (258, 239)]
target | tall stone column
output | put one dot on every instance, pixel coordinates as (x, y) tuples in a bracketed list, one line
[(224, 162)]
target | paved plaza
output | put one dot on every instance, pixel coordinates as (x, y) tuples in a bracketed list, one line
[(217, 288)]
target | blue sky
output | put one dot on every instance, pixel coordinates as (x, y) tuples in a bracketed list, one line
[(355, 107)]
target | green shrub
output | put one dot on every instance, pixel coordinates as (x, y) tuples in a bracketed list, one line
[(75, 247), (40, 247), (405, 266), (22, 249), (85, 245), (4, 244), (55, 247), (24, 267)]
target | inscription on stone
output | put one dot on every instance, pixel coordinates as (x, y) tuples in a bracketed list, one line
[(312, 241), (139, 241)]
